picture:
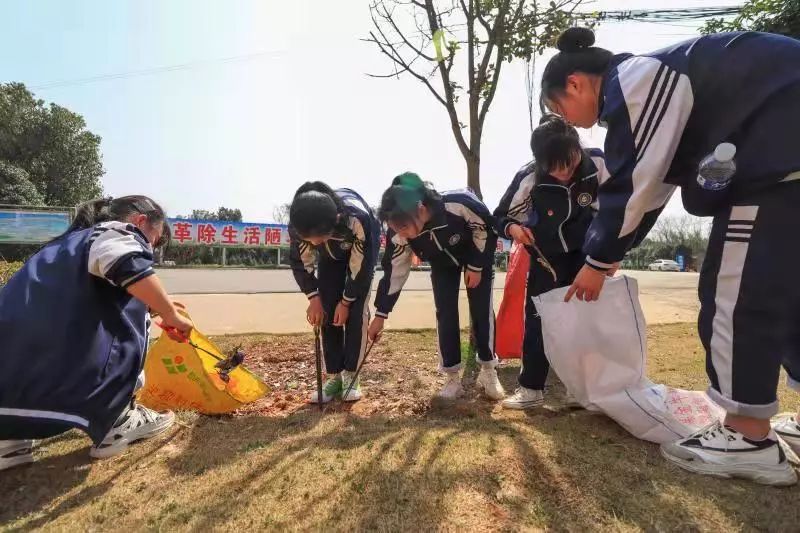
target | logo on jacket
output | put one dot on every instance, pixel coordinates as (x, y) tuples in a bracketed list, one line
[(584, 199), (346, 245), (454, 239)]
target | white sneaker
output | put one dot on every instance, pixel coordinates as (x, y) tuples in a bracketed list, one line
[(452, 388), (15, 452), (487, 378), (137, 424), (355, 393), (723, 452), (524, 398), (788, 428), (571, 402), (331, 389)]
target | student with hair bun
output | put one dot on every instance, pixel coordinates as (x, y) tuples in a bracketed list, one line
[(334, 248), (717, 117), (548, 208), (74, 327), (453, 232)]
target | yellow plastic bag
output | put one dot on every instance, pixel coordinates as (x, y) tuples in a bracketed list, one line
[(180, 376)]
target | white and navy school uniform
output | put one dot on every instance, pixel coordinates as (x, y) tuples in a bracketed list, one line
[(559, 216), (339, 269), (73, 338), (458, 237), (665, 112)]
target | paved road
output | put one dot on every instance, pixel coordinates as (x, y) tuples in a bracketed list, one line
[(247, 301), (254, 281)]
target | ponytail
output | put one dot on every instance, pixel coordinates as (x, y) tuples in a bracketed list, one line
[(105, 209), (401, 201), (576, 54), (315, 210)]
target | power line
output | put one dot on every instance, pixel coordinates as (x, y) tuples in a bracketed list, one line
[(157, 70)]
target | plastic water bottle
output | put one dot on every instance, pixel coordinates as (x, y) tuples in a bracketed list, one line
[(717, 169)]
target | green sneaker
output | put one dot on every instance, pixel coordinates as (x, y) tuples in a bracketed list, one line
[(355, 393), (330, 390)]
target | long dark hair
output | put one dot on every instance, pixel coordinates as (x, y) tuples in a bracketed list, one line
[(400, 201), (554, 143), (105, 209), (315, 210), (576, 54)]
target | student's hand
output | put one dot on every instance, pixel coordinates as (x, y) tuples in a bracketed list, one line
[(177, 305), (315, 314), (176, 326), (613, 270), (341, 314), (472, 279), (375, 329), (521, 234), (587, 285)]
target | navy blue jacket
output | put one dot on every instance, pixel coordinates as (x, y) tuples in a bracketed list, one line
[(460, 234), (73, 339), (667, 110), (558, 215), (356, 241)]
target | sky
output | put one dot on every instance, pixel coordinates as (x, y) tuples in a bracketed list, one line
[(208, 103)]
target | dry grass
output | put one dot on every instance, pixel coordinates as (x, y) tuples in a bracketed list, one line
[(471, 467)]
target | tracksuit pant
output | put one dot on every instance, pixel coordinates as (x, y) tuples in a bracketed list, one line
[(535, 367), (749, 291), (446, 281), (343, 346)]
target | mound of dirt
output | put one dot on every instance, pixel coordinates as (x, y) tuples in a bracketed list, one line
[(394, 381)]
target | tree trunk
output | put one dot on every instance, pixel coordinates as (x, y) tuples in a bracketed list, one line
[(474, 174)]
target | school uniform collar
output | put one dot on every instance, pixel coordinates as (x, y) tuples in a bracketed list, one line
[(601, 98)]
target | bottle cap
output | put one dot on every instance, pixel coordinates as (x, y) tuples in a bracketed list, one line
[(724, 152)]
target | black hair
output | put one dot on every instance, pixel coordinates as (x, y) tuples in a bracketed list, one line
[(105, 209), (576, 54), (315, 210), (400, 201), (554, 143)]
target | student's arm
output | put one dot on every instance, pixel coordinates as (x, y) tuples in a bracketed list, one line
[(150, 291), (480, 254), (302, 258), (396, 269), (516, 205), (121, 256), (363, 257), (647, 106)]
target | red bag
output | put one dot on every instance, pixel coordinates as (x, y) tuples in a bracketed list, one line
[(511, 316)]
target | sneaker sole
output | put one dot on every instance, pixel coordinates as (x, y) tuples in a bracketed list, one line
[(121, 445), (523, 406), (776, 476), (15, 461)]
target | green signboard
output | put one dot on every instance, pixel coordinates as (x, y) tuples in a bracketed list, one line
[(32, 226)]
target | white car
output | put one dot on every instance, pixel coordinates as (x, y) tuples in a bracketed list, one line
[(664, 265)]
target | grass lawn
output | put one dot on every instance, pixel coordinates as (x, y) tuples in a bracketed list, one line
[(394, 461)]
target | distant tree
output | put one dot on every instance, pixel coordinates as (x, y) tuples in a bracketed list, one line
[(229, 215), (281, 213), (772, 16), (16, 186), (52, 145)]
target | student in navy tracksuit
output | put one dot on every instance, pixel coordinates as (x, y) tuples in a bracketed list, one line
[(336, 235), (74, 324), (453, 232), (548, 208), (665, 112)]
